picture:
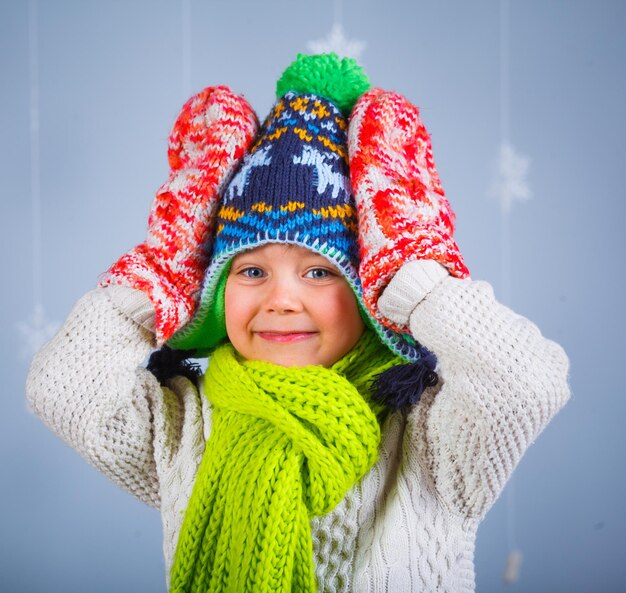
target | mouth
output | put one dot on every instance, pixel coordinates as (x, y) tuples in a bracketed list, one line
[(285, 337)]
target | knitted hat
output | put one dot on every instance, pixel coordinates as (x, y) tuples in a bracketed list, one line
[(294, 187)]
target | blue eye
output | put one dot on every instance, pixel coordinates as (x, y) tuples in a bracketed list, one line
[(252, 272), (318, 273)]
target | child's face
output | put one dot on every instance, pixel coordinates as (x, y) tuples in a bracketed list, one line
[(290, 306)]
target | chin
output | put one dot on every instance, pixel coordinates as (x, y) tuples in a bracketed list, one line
[(295, 362), (290, 357)]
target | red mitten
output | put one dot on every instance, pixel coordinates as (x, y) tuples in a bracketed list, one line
[(210, 137), (402, 209)]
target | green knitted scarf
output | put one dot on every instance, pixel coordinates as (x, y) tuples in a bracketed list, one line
[(286, 444)]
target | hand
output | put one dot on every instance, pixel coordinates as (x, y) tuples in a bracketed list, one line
[(409, 287), (212, 133), (402, 209)]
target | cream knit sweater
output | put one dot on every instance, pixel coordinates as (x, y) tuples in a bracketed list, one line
[(410, 524)]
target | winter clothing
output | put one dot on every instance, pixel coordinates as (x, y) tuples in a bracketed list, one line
[(212, 133), (410, 523), (286, 444), (268, 477), (402, 209), (294, 187)]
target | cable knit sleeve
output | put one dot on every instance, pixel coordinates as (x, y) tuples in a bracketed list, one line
[(88, 386), (501, 382)]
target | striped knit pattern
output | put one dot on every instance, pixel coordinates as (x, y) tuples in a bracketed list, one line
[(402, 209), (210, 137), (286, 444), (295, 182)]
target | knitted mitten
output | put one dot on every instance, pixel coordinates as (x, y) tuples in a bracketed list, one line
[(402, 209), (210, 137)]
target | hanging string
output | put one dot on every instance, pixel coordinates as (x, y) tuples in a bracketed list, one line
[(505, 245), (186, 47), (33, 76), (37, 330), (510, 186), (511, 571), (504, 71), (338, 12)]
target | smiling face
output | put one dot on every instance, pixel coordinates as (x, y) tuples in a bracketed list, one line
[(290, 306)]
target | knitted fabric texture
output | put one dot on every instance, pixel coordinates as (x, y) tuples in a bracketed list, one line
[(325, 75), (209, 138), (286, 445), (410, 524), (293, 187), (403, 212)]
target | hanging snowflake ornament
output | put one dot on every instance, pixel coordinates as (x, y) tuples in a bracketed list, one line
[(35, 332), (337, 42), (510, 181)]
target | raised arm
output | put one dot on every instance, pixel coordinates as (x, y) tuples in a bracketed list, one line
[(501, 382), (87, 384)]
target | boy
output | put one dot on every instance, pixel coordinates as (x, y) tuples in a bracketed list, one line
[(320, 451)]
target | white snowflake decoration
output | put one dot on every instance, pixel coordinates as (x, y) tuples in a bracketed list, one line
[(337, 42), (510, 184), (35, 332)]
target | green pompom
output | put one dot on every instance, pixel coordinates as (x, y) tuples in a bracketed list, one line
[(340, 81)]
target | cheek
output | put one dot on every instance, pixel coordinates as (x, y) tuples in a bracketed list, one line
[(236, 312), (343, 319)]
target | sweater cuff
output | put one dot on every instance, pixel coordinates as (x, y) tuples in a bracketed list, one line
[(411, 284), (134, 303)]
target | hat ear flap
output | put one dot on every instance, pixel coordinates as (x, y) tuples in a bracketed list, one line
[(402, 210), (213, 123)]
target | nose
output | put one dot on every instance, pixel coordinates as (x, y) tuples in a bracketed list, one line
[(283, 296)]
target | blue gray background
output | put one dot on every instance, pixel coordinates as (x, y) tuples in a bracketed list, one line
[(111, 81)]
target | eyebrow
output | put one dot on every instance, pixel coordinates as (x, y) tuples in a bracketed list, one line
[(288, 246), (250, 257)]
